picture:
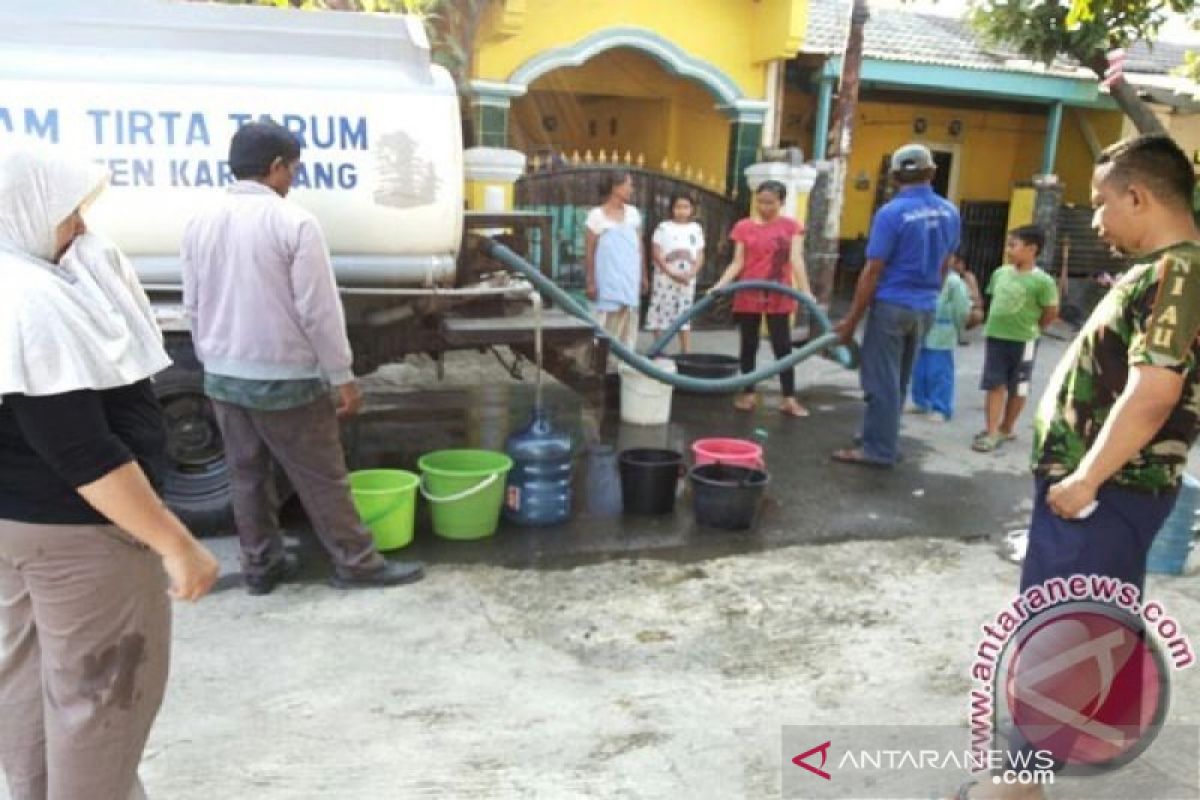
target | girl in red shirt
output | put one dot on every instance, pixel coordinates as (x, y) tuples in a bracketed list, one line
[(769, 248)]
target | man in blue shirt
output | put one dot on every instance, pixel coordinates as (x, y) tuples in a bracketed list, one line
[(912, 237)]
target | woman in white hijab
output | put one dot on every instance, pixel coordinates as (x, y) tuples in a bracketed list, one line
[(88, 551)]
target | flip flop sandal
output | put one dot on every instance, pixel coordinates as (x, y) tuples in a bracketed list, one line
[(985, 443), (855, 456), (799, 411), (744, 407), (858, 440)]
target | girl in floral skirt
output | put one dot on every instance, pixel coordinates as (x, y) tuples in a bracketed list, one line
[(678, 255)]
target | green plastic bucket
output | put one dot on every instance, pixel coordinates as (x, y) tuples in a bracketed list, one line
[(465, 490), (386, 501)]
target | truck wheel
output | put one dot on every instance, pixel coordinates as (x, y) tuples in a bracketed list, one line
[(196, 479)]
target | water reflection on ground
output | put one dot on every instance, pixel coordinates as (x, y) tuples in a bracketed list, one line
[(809, 500)]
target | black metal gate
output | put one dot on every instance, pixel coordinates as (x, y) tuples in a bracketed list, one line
[(1088, 254), (567, 193), (984, 230)]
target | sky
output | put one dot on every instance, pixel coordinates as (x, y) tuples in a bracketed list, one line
[(1177, 30)]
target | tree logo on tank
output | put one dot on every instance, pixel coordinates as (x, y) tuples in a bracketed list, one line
[(406, 177)]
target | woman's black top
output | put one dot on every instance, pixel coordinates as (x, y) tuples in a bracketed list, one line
[(50, 445)]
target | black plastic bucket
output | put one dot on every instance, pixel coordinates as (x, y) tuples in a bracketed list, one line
[(726, 496), (650, 480), (707, 366)]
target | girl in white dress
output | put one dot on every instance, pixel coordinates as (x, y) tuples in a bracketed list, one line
[(678, 255)]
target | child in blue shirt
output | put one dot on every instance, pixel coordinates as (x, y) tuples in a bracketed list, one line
[(933, 373)]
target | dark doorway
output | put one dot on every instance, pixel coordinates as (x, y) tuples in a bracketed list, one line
[(984, 229), (885, 190), (944, 161)]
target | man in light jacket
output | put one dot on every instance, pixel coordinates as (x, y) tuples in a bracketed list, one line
[(269, 328)]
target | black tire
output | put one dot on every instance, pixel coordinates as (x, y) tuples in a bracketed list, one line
[(196, 478)]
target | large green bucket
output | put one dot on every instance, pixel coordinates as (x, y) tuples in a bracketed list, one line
[(465, 490), (386, 500)]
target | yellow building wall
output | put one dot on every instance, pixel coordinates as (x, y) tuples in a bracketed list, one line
[(796, 119), (477, 191), (1184, 129), (699, 134), (642, 125), (738, 37), (1029, 159), (1075, 157), (1021, 207), (992, 149), (994, 152), (779, 26), (657, 115)]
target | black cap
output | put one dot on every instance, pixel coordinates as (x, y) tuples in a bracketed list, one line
[(256, 145)]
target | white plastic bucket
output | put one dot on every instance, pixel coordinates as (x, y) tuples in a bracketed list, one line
[(645, 401)]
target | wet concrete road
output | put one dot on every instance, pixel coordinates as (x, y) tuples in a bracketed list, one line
[(636, 677), (810, 499), (942, 489)]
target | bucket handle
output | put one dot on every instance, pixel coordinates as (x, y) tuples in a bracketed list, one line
[(386, 512), (476, 489), (759, 463)]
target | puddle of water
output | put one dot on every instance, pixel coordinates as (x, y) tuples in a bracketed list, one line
[(809, 500)]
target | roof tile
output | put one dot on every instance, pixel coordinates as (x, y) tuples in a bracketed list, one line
[(901, 35)]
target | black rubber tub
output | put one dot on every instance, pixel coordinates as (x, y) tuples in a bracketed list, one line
[(706, 366), (726, 496)]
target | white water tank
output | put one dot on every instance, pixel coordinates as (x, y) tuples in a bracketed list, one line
[(155, 89)]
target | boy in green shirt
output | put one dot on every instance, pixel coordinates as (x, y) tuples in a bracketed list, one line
[(1024, 302)]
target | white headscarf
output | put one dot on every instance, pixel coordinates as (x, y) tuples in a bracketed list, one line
[(84, 323)]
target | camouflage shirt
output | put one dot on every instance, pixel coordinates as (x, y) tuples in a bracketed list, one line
[(1142, 321)]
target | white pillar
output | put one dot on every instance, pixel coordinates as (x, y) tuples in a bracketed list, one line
[(491, 173), (798, 180)]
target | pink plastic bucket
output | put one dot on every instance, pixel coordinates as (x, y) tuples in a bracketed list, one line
[(735, 452)]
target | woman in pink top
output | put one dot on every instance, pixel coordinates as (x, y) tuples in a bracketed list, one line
[(769, 248)]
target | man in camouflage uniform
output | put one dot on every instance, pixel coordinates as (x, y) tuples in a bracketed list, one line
[(1113, 430), (1121, 411)]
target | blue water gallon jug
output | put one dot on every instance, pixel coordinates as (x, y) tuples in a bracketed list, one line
[(1169, 552), (602, 484), (539, 484)]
